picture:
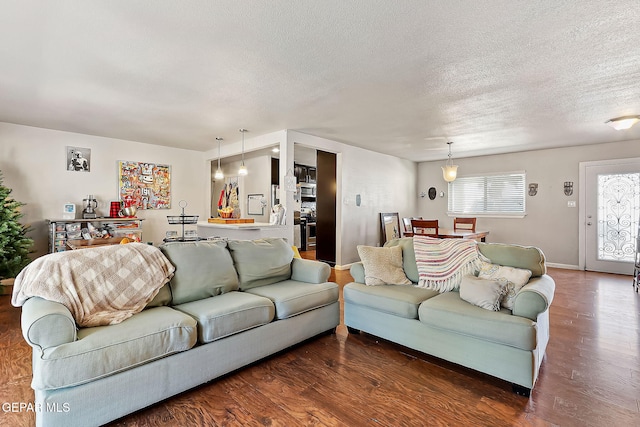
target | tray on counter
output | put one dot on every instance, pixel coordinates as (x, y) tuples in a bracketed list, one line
[(230, 220)]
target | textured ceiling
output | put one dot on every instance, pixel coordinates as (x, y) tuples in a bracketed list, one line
[(397, 77)]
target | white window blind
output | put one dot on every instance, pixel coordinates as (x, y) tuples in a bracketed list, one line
[(499, 194)]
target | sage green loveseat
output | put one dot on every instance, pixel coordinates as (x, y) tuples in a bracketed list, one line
[(229, 303), (508, 344)]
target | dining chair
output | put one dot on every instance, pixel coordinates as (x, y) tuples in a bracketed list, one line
[(406, 225), (425, 227), (464, 224)]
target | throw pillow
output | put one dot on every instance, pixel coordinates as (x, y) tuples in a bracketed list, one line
[(482, 292), (296, 252), (513, 278), (382, 266)]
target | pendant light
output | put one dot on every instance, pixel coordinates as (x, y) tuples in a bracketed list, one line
[(243, 169), (449, 170), (219, 174)]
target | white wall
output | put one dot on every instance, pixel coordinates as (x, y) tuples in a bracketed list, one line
[(384, 183), (33, 160), (549, 223)]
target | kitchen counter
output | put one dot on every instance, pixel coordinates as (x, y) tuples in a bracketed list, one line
[(246, 231)]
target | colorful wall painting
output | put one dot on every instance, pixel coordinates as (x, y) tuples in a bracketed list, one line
[(144, 185)]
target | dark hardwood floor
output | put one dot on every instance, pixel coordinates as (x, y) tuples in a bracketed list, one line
[(590, 376)]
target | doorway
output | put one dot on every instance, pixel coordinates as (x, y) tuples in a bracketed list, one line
[(610, 216), (326, 207)]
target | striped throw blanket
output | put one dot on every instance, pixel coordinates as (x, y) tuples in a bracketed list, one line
[(443, 262)]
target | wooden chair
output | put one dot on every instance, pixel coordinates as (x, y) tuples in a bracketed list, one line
[(406, 225), (464, 224), (425, 227)]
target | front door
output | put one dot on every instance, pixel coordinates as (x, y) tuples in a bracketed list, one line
[(612, 210)]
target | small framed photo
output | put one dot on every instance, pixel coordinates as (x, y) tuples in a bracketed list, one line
[(69, 211), (255, 204), (78, 159)]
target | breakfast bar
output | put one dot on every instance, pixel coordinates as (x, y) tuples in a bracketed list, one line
[(242, 231)]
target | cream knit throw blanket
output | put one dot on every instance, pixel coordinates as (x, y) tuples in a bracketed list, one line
[(443, 262), (100, 286)]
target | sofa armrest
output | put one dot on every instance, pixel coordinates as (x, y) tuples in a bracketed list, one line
[(535, 297), (310, 271), (357, 272), (47, 324)]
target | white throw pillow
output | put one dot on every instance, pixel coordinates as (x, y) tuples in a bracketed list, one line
[(513, 278), (482, 292), (382, 266)]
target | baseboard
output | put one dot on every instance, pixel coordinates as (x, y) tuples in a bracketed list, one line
[(343, 267), (563, 266)]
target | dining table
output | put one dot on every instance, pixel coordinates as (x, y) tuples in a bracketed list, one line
[(457, 233)]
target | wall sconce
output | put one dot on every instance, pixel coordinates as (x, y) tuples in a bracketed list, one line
[(533, 189), (568, 188)]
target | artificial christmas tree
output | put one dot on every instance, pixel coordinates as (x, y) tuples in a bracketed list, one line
[(14, 245)]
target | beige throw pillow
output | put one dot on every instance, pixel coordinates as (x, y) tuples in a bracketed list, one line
[(482, 292), (382, 266), (513, 278)]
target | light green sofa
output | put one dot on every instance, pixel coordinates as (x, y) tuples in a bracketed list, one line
[(230, 303), (508, 344)]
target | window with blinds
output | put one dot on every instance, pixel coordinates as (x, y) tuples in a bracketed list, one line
[(497, 194)]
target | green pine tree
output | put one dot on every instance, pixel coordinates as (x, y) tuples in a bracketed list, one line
[(14, 245)]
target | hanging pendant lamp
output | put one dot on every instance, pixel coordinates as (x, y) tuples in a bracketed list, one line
[(219, 174), (243, 169), (449, 170)]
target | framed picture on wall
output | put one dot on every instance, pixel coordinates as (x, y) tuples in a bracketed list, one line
[(389, 227), (145, 185), (78, 159), (255, 205)]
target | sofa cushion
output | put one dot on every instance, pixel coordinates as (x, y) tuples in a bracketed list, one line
[(291, 297), (261, 262), (203, 269), (105, 350), (399, 300), (408, 257), (449, 312), (527, 257), (482, 292), (162, 298), (382, 266), (227, 314)]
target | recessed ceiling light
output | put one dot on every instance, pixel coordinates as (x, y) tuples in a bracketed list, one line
[(275, 150), (622, 123)]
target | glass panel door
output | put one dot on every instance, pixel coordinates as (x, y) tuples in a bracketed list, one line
[(618, 210), (612, 211)]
